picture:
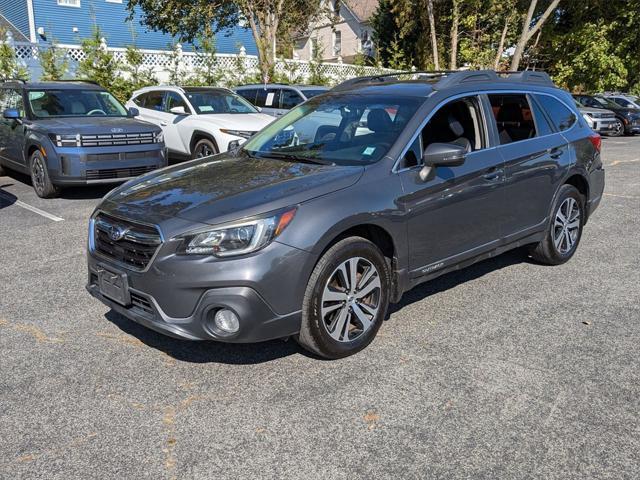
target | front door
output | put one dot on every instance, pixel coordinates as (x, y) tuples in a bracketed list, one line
[(457, 212), (12, 132)]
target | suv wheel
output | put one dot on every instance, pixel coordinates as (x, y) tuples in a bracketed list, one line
[(40, 176), (346, 299), (204, 148), (565, 230), (618, 128)]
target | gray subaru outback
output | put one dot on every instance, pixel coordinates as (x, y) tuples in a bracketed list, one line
[(336, 209), (73, 133)]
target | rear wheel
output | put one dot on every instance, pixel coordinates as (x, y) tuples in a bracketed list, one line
[(204, 148), (618, 128), (565, 228), (40, 177), (346, 299)]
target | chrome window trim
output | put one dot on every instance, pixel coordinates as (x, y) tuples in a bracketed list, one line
[(418, 131), (113, 261)]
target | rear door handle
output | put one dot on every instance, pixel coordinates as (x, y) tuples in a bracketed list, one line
[(555, 152), (493, 175)]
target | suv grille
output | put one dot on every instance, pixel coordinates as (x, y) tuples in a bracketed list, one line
[(126, 242), (118, 172), (111, 139)]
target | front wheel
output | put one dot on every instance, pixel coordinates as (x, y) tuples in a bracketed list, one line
[(565, 228), (40, 177), (346, 299), (618, 128), (204, 148)]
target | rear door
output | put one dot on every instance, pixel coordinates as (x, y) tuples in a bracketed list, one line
[(176, 132), (269, 100), (535, 155), (151, 106)]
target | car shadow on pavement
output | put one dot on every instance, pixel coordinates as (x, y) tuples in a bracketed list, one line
[(87, 192), (452, 279), (207, 351), (6, 199)]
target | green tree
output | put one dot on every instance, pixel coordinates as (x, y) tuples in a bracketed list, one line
[(53, 62), (98, 64), (9, 66)]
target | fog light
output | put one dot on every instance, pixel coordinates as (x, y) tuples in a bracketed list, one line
[(226, 321)]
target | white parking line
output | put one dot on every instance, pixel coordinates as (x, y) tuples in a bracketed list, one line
[(26, 206)]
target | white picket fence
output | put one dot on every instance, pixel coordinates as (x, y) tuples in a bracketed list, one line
[(161, 61)]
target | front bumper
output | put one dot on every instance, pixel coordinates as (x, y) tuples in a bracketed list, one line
[(604, 125)]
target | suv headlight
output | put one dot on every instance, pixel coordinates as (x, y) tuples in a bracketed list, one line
[(236, 239), (66, 140), (238, 133), (159, 137)]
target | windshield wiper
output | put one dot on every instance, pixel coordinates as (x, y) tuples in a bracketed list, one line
[(291, 157)]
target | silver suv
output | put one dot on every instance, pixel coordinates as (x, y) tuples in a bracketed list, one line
[(277, 99)]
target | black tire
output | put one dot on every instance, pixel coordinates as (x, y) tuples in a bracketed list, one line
[(618, 129), (204, 148), (40, 176), (314, 332), (548, 251)]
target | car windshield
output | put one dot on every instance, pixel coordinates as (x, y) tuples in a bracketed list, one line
[(345, 129), (313, 93), (606, 103), (74, 103), (208, 102)]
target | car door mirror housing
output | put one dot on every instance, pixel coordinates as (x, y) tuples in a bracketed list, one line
[(11, 114), (441, 155), (179, 110), (133, 112)]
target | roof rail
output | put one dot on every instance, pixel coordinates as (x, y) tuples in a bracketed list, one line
[(386, 77), (536, 76), (82, 80), (21, 80)]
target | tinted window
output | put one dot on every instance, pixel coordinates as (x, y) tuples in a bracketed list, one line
[(152, 100), (543, 127), (74, 103), (289, 99), (218, 101), (312, 93), (249, 94), (268, 97), (561, 117), (175, 100), (513, 117)]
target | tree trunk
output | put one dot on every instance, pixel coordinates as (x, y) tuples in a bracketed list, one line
[(503, 37), (264, 28), (434, 41), (529, 31), (453, 62)]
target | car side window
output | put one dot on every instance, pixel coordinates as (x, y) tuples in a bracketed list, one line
[(174, 100), (561, 117), (154, 100), (513, 116), (543, 127), (459, 122), (268, 98), (289, 99), (249, 94)]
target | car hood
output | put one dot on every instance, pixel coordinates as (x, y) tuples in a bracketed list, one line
[(225, 188), (94, 125), (594, 110), (251, 122)]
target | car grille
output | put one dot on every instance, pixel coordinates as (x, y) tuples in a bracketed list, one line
[(113, 139), (128, 243), (114, 157), (118, 172)]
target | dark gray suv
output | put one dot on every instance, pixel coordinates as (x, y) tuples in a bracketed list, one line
[(73, 133), (339, 207)]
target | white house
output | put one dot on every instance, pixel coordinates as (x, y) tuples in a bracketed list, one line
[(340, 35)]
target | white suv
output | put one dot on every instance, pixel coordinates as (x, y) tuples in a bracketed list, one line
[(198, 121)]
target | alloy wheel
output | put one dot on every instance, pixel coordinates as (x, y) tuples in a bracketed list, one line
[(37, 174), (351, 299), (566, 226), (618, 128), (204, 151)]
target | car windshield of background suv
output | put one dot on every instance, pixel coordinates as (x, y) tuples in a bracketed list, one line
[(345, 129), (74, 103), (215, 102)]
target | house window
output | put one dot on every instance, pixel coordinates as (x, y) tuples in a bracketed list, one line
[(337, 43), (114, 1), (69, 3)]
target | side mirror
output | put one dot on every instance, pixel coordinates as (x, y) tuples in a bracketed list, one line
[(133, 112), (178, 110), (11, 114), (441, 155)]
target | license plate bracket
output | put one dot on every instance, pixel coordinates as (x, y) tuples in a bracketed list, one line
[(114, 285)]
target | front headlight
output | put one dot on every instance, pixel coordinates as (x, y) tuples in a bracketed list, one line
[(236, 239), (238, 133), (159, 137), (66, 140)]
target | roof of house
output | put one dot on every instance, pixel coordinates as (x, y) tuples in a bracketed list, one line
[(363, 9)]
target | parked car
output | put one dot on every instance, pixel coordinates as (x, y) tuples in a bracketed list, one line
[(624, 100), (410, 180), (628, 119), (198, 121), (73, 133), (601, 120), (277, 99)]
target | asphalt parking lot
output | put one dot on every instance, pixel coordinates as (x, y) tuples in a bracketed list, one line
[(507, 369)]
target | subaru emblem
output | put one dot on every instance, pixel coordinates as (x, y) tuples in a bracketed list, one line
[(116, 233)]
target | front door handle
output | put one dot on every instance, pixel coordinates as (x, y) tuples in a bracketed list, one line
[(493, 175), (163, 124)]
